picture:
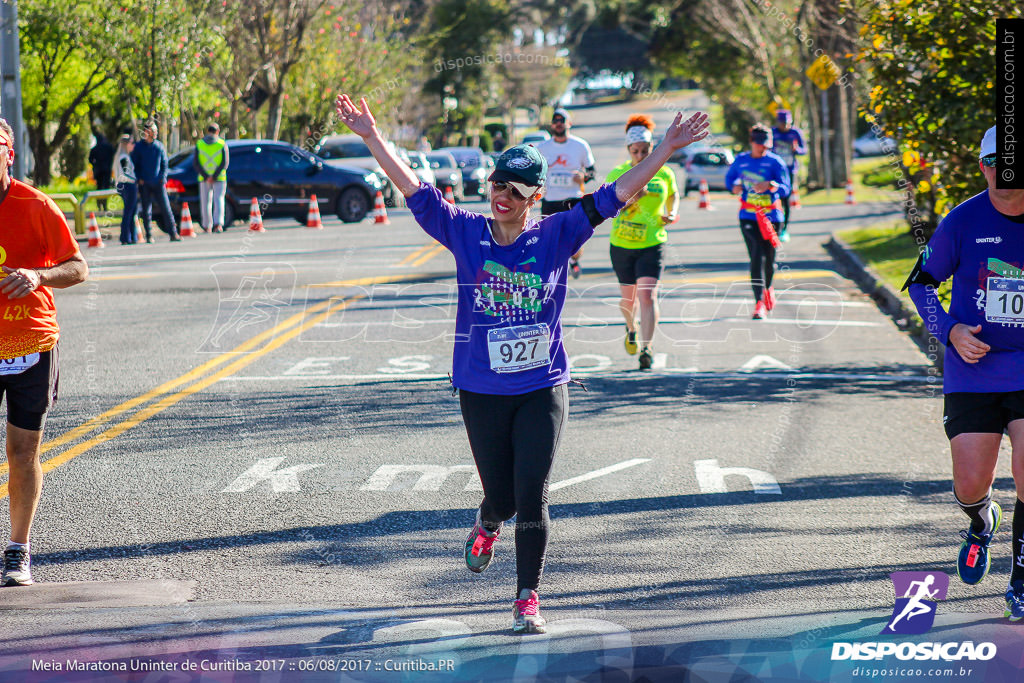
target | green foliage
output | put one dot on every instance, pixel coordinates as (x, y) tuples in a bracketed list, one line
[(930, 63), (883, 176)]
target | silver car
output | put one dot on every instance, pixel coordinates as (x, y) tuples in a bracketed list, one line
[(706, 163), (421, 167), (448, 173), (350, 150)]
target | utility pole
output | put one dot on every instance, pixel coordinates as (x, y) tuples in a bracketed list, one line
[(10, 82)]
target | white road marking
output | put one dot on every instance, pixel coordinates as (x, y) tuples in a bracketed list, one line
[(711, 478), (431, 478), (597, 473), (762, 361), (281, 481), (614, 374)]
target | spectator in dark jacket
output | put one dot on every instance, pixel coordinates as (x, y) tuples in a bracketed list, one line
[(101, 156), (150, 160)]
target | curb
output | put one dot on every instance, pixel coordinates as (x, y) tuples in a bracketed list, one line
[(886, 298)]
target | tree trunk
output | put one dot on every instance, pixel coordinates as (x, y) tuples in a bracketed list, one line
[(274, 112), (42, 152), (233, 120)]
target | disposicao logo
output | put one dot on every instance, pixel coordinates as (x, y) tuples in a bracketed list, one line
[(917, 594)]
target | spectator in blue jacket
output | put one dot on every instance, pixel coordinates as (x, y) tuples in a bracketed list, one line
[(150, 160)]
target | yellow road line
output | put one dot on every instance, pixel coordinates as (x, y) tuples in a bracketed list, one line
[(416, 254), (369, 281), (196, 372), (779, 275), (168, 401), (429, 255)]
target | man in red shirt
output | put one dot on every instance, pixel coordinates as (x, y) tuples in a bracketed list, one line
[(37, 252)]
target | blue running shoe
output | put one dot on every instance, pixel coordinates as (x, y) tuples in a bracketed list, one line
[(1015, 601), (973, 564)]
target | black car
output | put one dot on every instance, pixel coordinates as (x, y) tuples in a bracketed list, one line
[(281, 177), (475, 167)]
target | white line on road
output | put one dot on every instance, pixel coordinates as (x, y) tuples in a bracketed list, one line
[(598, 473), (600, 322), (606, 374)]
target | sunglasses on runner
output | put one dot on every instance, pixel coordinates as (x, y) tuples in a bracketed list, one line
[(501, 186), (558, 119), (989, 161)]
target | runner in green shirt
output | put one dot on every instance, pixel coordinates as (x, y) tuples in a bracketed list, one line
[(637, 239)]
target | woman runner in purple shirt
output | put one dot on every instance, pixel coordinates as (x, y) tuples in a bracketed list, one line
[(509, 364)]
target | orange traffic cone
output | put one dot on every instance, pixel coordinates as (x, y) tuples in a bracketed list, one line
[(849, 193), (139, 236), (794, 200), (93, 228), (255, 219), (705, 201), (449, 196), (380, 214), (186, 222), (313, 217)]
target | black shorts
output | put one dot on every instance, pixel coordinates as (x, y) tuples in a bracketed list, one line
[(31, 393), (985, 413), (547, 208), (631, 264)]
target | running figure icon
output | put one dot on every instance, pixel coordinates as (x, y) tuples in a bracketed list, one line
[(917, 604)]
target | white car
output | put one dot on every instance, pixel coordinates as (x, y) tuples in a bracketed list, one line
[(421, 167), (535, 137), (350, 150), (870, 145)]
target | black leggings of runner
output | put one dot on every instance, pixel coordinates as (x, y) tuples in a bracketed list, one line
[(514, 440), (762, 256), (785, 212)]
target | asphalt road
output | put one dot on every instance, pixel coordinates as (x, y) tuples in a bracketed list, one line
[(257, 456)]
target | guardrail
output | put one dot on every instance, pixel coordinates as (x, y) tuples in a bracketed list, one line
[(78, 205)]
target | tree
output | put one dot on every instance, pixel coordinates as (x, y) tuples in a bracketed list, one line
[(62, 68), (930, 63)]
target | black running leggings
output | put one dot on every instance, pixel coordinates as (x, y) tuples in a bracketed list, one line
[(762, 256), (514, 440)]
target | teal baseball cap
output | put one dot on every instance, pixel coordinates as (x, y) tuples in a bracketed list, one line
[(522, 165)]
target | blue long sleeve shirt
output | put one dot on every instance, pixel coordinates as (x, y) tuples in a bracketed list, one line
[(983, 251)]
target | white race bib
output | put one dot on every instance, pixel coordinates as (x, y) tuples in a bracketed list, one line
[(561, 180), (514, 349), (1004, 300), (16, 366)]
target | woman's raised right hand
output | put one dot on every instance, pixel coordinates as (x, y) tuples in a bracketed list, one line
[(358, 119)]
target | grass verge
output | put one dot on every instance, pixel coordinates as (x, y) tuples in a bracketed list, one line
[(890, 250)]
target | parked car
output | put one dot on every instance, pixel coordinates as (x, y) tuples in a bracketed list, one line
[(535, 137), (475, 167), (448, 173), (421, 167), (350, 150), (705, 163), (870, 145), (282, 177)]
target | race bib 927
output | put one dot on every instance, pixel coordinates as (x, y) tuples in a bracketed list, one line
[(515, 349)]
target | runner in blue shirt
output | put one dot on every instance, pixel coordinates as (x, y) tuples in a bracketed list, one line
[(980, 244), (761, 180), (509, 364), (787, 144)]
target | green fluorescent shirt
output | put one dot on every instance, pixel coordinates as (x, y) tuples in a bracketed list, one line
[(639, 225)]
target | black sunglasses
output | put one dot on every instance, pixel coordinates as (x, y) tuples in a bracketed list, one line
[(501, 186), (558, 120), (989, 161)]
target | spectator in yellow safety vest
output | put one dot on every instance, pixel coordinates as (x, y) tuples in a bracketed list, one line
[(211, 163)]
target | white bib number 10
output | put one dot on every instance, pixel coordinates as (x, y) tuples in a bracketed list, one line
[(1004, 301)]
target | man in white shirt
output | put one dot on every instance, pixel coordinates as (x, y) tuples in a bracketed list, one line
[(570, 166)]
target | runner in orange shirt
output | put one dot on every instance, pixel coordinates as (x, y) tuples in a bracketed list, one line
[(37, 252)]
